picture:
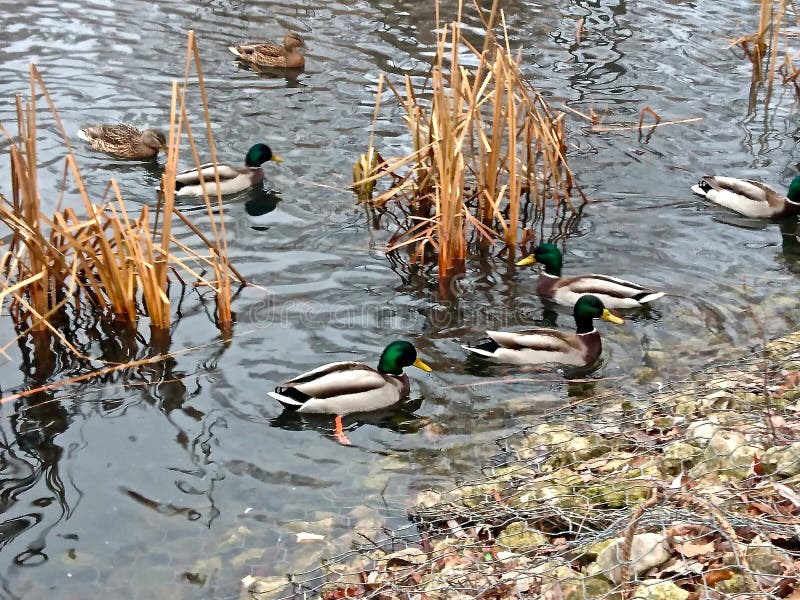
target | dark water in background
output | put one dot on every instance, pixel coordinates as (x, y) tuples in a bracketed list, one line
[(182, 478)]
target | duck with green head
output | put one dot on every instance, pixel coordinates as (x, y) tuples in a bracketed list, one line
[(542, 346), (341, 388), (749, 197), (613, 292), (232, 180)]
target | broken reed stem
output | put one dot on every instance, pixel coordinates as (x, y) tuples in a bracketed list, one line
[(96, 373), (772, 20)]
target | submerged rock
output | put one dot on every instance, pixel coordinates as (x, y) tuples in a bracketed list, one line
[(264, 588), (427, 499)]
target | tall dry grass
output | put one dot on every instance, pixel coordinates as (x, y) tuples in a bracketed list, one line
[(113, 261), (769, 48), (484, 143)]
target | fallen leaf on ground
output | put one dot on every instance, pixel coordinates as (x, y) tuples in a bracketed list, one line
[(712, 578), (788, 493), (690, 550)]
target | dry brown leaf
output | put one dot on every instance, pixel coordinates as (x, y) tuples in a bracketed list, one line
[(759, 508), (787, 493), (756, 468), (790, 382), (685, 529), (690, 549), (795, 595), (712, 578)]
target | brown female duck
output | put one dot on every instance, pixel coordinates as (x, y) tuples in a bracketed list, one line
[(125, 141), (269, 54)]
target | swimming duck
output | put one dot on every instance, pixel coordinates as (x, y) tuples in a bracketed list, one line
[(750, 198), (341, 388), (540, 346), (125, 141), (613, 292), (269, 54), (232, 180)]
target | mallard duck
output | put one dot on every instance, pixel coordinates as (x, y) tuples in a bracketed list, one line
[(750, 198), (341, 388), (125, 141), (269, 54), (232, 180), (613, 292), (540, 346)]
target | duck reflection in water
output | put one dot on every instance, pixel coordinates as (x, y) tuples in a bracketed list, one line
[(257, 203), (790, 243), (399, 418)]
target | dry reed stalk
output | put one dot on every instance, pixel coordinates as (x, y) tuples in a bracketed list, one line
[(371, 162), (484, 140), (772, 21), (764, 24), (107, 261)]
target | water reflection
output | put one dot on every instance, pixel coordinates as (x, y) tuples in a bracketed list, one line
[(291, 76), (400, 419), (33, 456), (158, 467)]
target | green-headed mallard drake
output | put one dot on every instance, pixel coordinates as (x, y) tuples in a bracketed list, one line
[(125, 141), (232, 180), (613, 292), (341, 388), (541, 346), (269, 54), (750, 198)]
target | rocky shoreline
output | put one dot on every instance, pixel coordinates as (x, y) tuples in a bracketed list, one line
[(688, 493)]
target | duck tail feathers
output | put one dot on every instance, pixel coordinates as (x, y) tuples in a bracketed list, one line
[(84, 135), (705, 185), (648, 297), (235, 51), (486, 349), (286, 401)]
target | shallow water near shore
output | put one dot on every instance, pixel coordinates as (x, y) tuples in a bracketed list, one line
[(179, 478)]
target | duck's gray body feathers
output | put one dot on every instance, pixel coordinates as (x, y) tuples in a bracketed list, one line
[(746, 196), (341, 388), (613, 292)]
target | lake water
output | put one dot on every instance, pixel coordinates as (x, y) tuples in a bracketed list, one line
[(177, 479)]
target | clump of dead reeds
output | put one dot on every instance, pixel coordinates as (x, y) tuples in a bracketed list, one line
[(108, 261), (485, 142), (769, 48)]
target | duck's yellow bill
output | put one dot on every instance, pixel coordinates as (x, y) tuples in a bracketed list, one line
[(421, 365), (276, 158), (611, 318), (528, 260)]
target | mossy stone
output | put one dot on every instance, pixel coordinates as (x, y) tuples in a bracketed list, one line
[(679, 456), (655, 589), (782, 460), (520, 536)]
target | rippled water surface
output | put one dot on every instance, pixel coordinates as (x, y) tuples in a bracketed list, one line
[(182, 477)]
